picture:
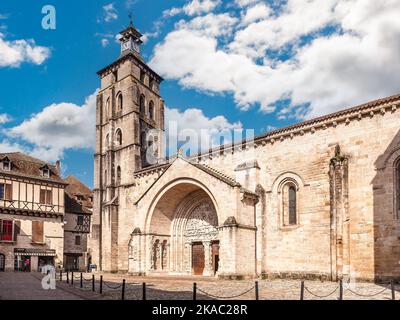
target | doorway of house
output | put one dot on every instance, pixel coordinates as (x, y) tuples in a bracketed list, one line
[(2, 262), (197, 259), (22, 263)]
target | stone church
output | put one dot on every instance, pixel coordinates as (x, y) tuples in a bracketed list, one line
[(319, 199)]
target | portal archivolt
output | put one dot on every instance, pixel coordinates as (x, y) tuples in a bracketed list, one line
[(184, 235)]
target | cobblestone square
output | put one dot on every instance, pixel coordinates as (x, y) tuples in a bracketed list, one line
[(27, 286)]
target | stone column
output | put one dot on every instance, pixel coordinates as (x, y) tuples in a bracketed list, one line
[(340, 219), (208, 271), (187, 267)]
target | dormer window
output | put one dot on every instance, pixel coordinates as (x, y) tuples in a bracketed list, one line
[(6, 164), (46, 171)]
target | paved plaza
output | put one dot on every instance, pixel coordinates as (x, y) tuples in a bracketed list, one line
[(27, 286)]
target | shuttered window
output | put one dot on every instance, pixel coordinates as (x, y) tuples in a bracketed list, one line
[(6, 230), (37, 232), (46, 196), (5, 191)]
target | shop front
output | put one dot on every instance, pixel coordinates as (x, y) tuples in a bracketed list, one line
[(26, 260)]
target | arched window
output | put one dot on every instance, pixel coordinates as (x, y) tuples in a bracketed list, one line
[(151, 110), (119, 137), (118, 175), (142, 76), (107, 142), (107, 111), (289, 204), (151, 84), (119, 102), (292, 206), (142, 104)]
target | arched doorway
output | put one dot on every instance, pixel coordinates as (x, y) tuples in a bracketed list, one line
[(2, 262), (183, 229)]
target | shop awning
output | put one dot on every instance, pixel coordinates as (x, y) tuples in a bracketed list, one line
[(34, 252)]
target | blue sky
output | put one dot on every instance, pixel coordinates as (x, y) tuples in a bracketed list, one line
[(249, 64)]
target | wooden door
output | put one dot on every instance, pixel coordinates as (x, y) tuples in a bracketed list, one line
[(198, 259)]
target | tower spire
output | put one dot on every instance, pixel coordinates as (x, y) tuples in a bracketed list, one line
[(130, 19), (130, 38)]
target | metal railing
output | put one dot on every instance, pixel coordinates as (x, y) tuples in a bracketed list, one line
[(124, 288)]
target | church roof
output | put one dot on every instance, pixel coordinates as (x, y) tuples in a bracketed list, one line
[(333, 119), (335, 115), (205, 168)]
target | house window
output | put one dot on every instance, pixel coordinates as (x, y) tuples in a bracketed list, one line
[(119, 102), (289, 204), (46, 172), (46, 196), (5, 191), (142, 104), (77, 240), (7, 165), (6, 230), (151, 110), (37, 232), (119, 137), (151, 84), (79, 221)]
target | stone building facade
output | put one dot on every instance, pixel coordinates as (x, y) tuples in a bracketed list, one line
[(31, 213), (78, 213), (317, 199)]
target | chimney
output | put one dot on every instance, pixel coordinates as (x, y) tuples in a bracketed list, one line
[(58, 167)]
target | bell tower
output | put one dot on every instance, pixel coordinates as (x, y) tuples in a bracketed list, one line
[(129, 137)]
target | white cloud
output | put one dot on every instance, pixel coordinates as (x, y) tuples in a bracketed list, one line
[(58, 127), (4, 118), (244, 3), (194, 7), (202, 131), (109, 12), (255, 13), (8, 146), (13, 53), (351, 54)]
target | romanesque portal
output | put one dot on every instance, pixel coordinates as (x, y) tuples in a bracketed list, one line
[(182, 235)]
